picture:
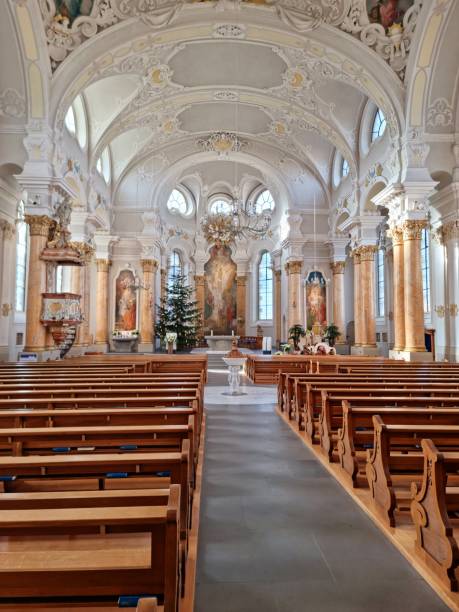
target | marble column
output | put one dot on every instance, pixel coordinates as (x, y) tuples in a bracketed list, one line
[(147, 300), (200, 297), (414, 302), (450, 235), (293, 269), (8, 269), (163, 283), (76, 287), (399, 289), (85, 337), (357, 299), (241, 304), (337, 268), (39, 226), (278, 305), (367, 295), (102, 333)]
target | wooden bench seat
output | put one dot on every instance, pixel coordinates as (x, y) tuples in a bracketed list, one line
[(308, 395), (101, 471), (112, 551), (357, 433), (331, 416), (434, 513), (396, 461)]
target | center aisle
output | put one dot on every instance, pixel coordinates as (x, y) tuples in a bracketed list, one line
[(278, 534)]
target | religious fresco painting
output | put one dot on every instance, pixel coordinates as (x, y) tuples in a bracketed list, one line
[(220, 291), (126, 302), (71, 9), (387, 12), (316, 300)]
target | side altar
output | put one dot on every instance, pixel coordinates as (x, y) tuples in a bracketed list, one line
[(221, 342)]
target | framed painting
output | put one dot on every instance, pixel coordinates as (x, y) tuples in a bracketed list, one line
[(316, 300), (220, 291), (387, 12), (125, 301)]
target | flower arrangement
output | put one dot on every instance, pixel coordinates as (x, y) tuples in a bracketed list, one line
[(218, 229), (171, 337), (123, 333)]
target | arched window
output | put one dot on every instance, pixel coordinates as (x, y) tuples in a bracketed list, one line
[(344, 168), (265, 288), (175, 267), (21, 258), (70, 121), (264, 201), (379, 125), (81, 128), (103, 165), (380, 290), (176, 202), (220, 207), (425, 267)]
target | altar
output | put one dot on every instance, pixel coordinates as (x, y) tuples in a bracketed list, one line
[(220, 343)]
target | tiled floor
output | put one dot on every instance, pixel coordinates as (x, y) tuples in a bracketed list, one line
[(278, 534)]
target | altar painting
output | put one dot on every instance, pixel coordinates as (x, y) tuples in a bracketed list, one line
[(316, 300), (71, 9), (220, 291), (387, 12), (126, 301)]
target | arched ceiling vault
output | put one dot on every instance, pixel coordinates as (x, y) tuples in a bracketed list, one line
[(298, 87)]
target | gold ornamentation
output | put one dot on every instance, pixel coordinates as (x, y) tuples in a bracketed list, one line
[(450, 231), (85, 250), (440, 311), (103, 265), (149, 265), (453, 310), (39, 224), (337, 267), (412, 229), (367, 252), (293, 267), (9, 231), (199, 280), (396, 233), (241, 281), (6, 309)]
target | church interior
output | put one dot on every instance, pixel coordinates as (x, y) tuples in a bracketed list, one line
[(229, 331)]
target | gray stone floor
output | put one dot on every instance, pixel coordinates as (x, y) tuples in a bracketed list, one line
[(278, 534)]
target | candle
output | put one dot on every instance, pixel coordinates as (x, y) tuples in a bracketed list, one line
[(232, 332), (211, 332)]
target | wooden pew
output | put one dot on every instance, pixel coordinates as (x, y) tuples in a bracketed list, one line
[(146, 566), (101, 471), (357, 433), (434, 511), (308, 395), (331, 417), (396, 461)]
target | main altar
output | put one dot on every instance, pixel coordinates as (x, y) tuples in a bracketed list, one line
[(220, 342)]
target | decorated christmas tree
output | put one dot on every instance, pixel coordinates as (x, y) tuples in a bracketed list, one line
[(178, 313)]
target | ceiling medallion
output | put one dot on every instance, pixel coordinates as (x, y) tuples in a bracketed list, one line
[(223, 143)]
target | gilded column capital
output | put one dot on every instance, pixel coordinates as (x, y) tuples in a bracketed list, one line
[(412, 229), (241, 281), (84, 249), (278, 274), (199, 280), (163, 273), (149, 265), (396, 233), (355, 254), (103, 265), (450, 231), (293, 267), (39, 225), (337, 267), (367, 252)]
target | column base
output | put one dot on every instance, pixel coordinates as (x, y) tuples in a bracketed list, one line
[(363, 350), (342, 349), (101, 347), (415, 356)]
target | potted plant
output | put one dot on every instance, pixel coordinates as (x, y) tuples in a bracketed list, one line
[(295, 333), (331, 334)]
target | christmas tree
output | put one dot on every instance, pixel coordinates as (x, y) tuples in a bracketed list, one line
[(179, 313)]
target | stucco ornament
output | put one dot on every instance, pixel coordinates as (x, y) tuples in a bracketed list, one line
[(392, 44), (12, 104)]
